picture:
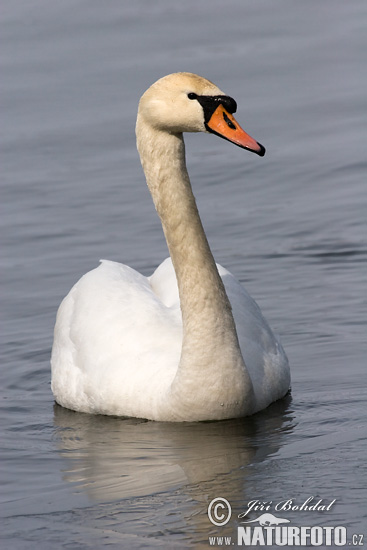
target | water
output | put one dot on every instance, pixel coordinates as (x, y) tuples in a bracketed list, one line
[(290, 226)]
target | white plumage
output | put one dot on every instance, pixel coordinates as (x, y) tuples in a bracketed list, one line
[(153, 347)]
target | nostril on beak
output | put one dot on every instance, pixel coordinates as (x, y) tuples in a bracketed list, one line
[(229, 122)]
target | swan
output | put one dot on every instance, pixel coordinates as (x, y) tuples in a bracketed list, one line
[(187, 343)]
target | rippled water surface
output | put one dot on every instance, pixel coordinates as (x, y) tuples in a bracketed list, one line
[(290, 226)]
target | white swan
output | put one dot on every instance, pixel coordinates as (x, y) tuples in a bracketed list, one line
[(152, 347)]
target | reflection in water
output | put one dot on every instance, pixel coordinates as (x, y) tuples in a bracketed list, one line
[(113, 458)]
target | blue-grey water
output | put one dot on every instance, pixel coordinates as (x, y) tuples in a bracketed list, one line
[(290, 226)]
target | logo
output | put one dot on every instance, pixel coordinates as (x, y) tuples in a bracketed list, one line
[(266, 520), (219, 511), (269, 529)]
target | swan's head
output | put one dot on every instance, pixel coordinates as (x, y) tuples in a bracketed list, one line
[(186, 102)]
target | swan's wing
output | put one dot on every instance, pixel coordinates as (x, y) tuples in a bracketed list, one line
[(164, 284), (113, 335), (263, 354)]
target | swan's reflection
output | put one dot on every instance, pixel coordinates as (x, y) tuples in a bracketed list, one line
[(113, 458)]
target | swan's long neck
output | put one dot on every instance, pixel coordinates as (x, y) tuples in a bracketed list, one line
[(210, 349)]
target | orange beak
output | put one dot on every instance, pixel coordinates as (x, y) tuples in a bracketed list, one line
[(224, 125)]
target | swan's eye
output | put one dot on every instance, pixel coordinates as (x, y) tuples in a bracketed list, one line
[(191, 95)]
